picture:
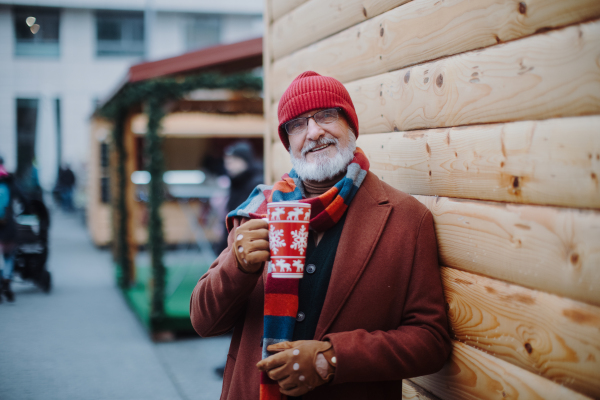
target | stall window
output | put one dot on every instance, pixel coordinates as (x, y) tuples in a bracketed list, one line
[(104, 173), (119, 33), (36, 31)]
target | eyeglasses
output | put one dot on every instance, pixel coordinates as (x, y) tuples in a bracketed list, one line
[(298, 126)]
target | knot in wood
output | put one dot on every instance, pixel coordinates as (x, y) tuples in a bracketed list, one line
[(515, 182), (528, 348), (574, 258), (381, 32), (439, 81), (522, 7)]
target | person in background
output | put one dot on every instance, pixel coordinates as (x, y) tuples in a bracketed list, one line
[(244, 172), (66, 183), (8, 230), (28, 183)]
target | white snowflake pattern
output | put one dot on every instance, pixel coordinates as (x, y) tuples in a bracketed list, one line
[(300, 239), (275, 239)]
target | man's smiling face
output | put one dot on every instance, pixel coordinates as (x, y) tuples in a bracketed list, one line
[(310, 144), (322, 151)]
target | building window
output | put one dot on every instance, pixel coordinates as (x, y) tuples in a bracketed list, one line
[(119, 33), (203, 31), (36, 31), (27, 111)]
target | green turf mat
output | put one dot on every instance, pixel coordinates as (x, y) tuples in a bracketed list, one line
[(180, 282)]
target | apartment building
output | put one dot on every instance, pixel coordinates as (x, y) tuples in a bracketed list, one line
[(59, 58)]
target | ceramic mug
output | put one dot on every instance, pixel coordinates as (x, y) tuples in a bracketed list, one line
[(288, 237)]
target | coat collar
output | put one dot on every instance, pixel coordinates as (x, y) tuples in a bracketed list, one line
[(364, 224)]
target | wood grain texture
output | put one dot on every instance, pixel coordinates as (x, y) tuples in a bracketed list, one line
[(317, 19), (473, 374), (550, 75), (131, 154), (281, 160), (267, 133), (411, 391), (278, 8), (554, 337), (554, 162), (424, 30), (197, 124), (553, 249), (556, 74)]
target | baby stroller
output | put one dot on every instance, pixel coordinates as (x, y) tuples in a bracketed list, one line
[(32, 245)]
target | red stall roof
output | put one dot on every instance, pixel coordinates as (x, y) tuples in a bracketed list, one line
[(226, 58)]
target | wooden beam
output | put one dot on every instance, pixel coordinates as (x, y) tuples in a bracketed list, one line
[(425, 30), (280, 7), (196, 124), (472, 374), (133, 217), (281, 160), (317, 19), (554, 162), (267, 151), (551, 336), (544, 76), (412, 391), (556, 250)]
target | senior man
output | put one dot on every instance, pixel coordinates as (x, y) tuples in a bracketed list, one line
[(369, 310)]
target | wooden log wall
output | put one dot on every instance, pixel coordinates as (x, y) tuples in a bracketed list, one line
[(488, 112)]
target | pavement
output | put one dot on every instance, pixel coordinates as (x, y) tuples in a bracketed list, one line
[(82, 341)]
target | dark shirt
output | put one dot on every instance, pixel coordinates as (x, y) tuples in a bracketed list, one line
[(313, 285)]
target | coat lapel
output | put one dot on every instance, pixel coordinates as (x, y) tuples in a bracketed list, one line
[(365, 221)]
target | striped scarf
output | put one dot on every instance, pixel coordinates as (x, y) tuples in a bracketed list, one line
[(281, 295)]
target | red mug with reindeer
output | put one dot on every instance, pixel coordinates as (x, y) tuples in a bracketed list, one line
[(288, 237)]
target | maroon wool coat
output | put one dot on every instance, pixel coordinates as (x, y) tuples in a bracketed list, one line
[(384, 311)]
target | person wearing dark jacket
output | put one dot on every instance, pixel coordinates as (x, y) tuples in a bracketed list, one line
[(245, 173), (243, 170)]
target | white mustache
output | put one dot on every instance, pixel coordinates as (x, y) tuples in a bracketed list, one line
[(314, 144)]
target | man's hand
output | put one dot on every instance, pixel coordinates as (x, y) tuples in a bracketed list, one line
[(300, 366), (251, 245)]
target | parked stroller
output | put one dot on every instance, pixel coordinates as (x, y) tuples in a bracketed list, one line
[(32, 245)]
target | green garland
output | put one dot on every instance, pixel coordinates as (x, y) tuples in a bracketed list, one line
[(153, 94), (155, 113)]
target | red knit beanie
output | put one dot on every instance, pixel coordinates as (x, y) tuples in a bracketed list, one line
[(310, 91)]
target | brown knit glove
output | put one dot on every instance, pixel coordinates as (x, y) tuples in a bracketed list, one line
[(300, 366), (251, 245)]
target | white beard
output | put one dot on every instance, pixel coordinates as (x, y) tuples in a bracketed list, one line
[(323, 167)]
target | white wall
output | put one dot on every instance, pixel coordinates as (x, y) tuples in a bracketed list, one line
[(235, 28), (78, 77), (208, 6), (168, 35)]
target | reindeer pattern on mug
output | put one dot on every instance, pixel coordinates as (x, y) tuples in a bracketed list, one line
[(288, 238)]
